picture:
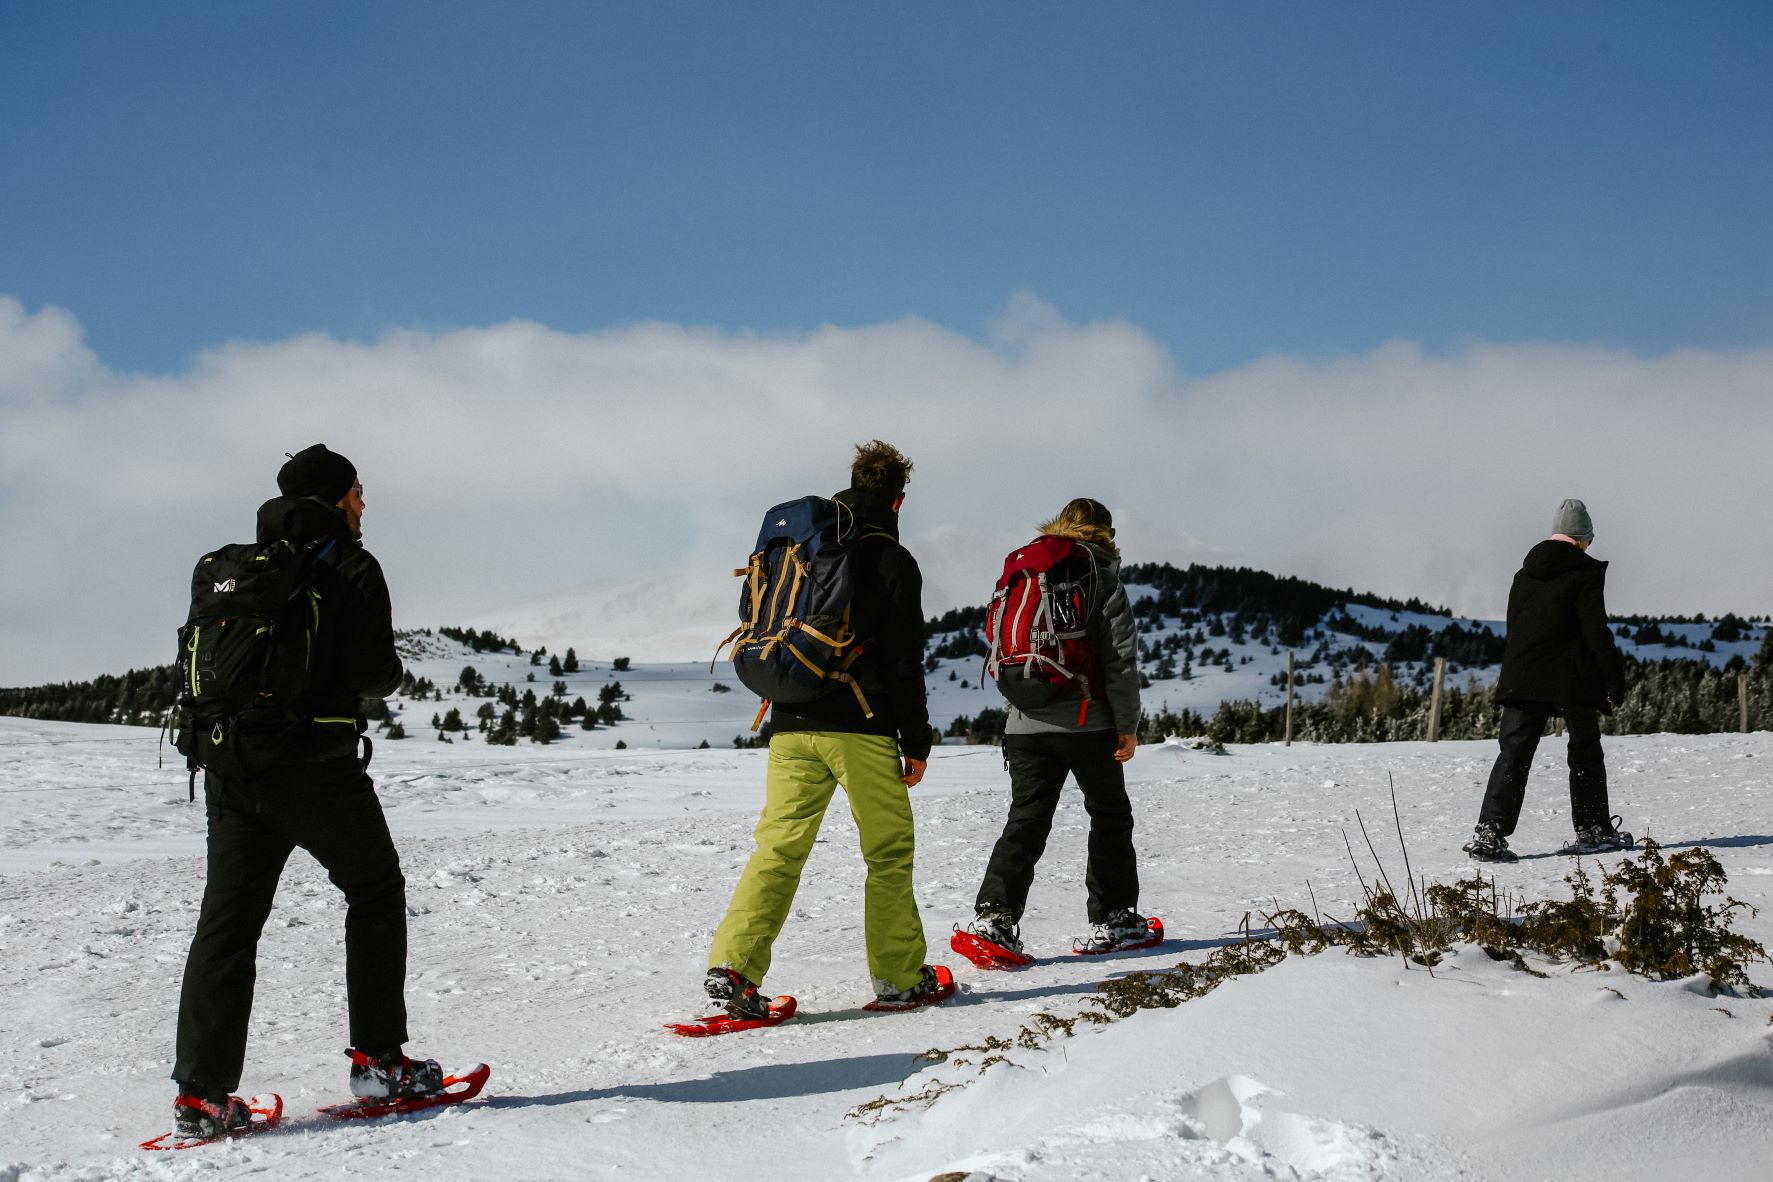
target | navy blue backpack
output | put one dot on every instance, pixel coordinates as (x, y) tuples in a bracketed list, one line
[(795, 635)]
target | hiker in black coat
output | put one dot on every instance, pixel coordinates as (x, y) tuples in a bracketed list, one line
[(318, 796), (888, 612), (878, 753), (1559, 660)]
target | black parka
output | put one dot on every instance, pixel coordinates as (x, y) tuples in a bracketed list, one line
[(1559, 650), (354, 655), (887, 616)]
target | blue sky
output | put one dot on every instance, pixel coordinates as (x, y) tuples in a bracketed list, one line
[(1242, 179), (1357, 292)]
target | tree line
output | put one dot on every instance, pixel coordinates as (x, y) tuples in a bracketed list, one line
[(1676, 695), (1361, 704)]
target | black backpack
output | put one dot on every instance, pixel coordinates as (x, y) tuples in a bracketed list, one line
[(245, 654), (795, 636)]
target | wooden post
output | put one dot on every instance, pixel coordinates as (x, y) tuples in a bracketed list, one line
[(1434, 703), (1742, 699), (1557, 727), (1289, 741)]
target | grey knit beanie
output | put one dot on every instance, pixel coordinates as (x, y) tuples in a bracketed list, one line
[(1573, 519)]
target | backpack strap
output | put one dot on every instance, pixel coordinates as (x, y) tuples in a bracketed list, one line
[(754, 575)]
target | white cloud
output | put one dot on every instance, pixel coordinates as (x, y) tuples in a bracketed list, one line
[(609, 480)]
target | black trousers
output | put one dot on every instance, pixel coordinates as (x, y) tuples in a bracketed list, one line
[(1038, 767), (1519, 738), (330, 809)]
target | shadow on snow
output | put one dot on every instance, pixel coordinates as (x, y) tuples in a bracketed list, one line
[(773, 1081)]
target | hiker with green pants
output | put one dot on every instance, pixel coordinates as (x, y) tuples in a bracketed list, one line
[(872, 736)]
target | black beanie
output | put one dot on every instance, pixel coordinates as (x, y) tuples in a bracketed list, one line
[(317, 472)]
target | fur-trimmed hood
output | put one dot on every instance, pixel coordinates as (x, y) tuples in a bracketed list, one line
[(1094, 535)]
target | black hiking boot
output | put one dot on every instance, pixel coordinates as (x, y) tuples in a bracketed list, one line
[(197, 1116), (1599, 839), (927, 987), (996, 925), (392, 1076), (738, 996), (1117, 931), (1488, 845)]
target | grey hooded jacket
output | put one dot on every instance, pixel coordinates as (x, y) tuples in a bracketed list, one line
[(1114, 634)]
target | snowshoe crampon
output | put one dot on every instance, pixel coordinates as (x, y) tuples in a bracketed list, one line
[(781, 1009), (456, 1089), (941, 989), (266, 1112), (985, 953), (1154, 935)]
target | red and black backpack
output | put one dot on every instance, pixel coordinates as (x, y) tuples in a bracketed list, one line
[(1040, 652)]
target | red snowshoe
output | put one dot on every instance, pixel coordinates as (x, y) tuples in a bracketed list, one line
[(456, 1089), (935, 987), (1118, 936), (264, 1113), (781, 1008), (987, 954)]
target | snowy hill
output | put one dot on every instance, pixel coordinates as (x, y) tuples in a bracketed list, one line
[(1193, 657), (562, 902), (1192, 660)]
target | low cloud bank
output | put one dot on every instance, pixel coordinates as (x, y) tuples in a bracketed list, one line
[(596, 488)]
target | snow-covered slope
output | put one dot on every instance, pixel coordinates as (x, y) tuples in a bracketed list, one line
[(562, 900), (1192, 665)]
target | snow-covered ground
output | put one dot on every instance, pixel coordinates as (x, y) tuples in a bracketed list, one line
[(563, 897)]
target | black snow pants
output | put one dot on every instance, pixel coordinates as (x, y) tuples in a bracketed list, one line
[(1038, 766), (1522, 726), (328, 808)]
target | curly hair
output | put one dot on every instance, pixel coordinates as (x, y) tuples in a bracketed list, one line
[(880, 467), (1087, 521)]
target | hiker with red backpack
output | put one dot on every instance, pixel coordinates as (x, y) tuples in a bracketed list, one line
[(831, 636), (1064, 653)]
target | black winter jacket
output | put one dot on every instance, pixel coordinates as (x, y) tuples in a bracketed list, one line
[(354, 655), (1559, 650), (887, 615)]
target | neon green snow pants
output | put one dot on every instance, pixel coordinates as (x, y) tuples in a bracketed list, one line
[(805, 768)]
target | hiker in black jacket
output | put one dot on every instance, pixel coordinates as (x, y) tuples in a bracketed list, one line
[(316, 795), (1559, 659)]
